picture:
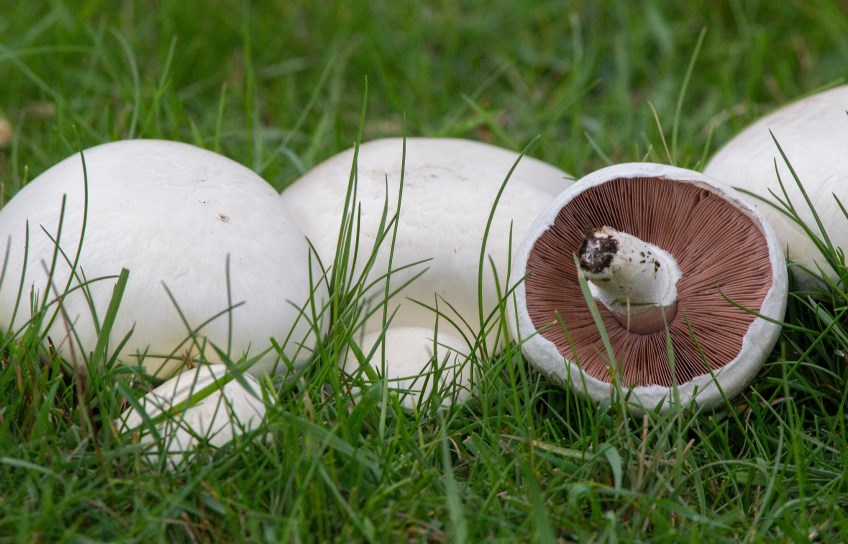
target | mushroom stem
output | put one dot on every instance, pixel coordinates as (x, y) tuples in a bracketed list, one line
[(635, 280)]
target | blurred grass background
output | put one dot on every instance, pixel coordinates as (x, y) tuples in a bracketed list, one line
[(289, 77), (279, 86)]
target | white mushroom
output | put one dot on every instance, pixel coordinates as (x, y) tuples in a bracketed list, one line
[(201, 405), (680, 270), (813, 134), (449, 189), (418, 364), (208, 244)]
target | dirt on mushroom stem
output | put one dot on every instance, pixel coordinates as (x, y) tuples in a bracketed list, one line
[(627, 275), (597, 251)]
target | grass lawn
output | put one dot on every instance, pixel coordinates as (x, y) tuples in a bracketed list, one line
[(280, 86)]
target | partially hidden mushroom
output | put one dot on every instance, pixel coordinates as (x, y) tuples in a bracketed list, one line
[(450, 187), (198, 406), (213, 259), (688, 280), (420, 363), (813, 133)]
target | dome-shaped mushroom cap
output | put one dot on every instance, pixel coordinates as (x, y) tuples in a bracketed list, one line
[(407, 349), (450, 186), (725, 250), (217, 417), (813, 133), (172, 214)]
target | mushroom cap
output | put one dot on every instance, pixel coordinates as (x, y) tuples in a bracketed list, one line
[(412, 365), (450, 186), (229, 410), (813, 133), (724, 248), (173, 214)]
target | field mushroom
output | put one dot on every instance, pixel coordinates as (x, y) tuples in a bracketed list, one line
[(200, 405), (209, 247), (661, 249), (419, 361), (813, 133), (449, 189)]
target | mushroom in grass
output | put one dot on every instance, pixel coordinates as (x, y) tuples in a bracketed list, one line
[(450, 187), (813, 133), (213, 259), (689, 282), (419, 362), (199, 406)]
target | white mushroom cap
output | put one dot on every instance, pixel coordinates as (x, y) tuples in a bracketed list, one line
[(415, 364), (813, 134), (175, 215), (450, 187), (223, 410), (724, 249)]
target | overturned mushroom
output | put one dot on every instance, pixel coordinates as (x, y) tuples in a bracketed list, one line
[(449, 189), (661, 249), (813, 134)]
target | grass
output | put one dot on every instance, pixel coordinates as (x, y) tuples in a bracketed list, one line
[(279, 87)]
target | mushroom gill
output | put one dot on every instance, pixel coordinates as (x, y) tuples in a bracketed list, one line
[(723, 256)]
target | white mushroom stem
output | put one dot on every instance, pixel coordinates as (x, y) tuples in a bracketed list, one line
[(635, 280)]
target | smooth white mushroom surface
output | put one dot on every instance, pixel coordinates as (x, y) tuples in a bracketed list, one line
[(680, 269), (449, 189), (813, 133), (450, 186), (218, 411), (180, 219)]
